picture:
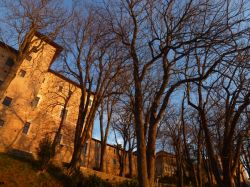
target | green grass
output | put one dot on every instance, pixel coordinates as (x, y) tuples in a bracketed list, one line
[(16, 171), (21, 172)]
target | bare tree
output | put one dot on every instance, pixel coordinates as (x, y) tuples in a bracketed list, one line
[(157, 36), (221, 104), (106, 107), (123, 126), (92, 60), (245, 155)]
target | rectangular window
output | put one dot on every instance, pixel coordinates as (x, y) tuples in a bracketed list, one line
[(22, 73), (9, 62), (1, 123), (1, 82), (34, 49), (35, 101), (114, 161), (7, 101), (28, 57), (63, 113), (26, 128), (60, 88)]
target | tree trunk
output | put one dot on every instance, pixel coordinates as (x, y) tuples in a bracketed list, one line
[(208, 171), (227, 178), (139, 125), (213, 161), (142, 164), (130, 160), (199, 157), (180, 177), (103, 155), (151, 153), (179, 165), (74, 164), (121, 173)]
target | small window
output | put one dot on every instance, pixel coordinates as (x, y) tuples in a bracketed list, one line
[(7, 101), (26, 128), (10, 62), (63, 113), (1, 82), (35, 49), (28, 57), (35, 101), (1, 123), (60, 88), (114, 161), (22, 73)]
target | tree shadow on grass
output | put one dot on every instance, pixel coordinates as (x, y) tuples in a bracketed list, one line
[(22, 156), (58, 173), (54, 171)]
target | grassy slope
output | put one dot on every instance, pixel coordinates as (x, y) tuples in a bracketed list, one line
[(20, 172)]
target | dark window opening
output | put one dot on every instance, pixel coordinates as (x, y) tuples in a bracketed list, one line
[(28, 57), (10, 62), (1, 123), (60, 88), (22, 73), (7, 101), (35, 101), (34, 49), (1, 82), (26, 128)]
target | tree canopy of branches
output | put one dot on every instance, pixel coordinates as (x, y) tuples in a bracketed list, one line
[(92, 59), (159, 38), (150, 53)]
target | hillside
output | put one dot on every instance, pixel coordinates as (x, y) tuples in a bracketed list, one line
[(20, 172)]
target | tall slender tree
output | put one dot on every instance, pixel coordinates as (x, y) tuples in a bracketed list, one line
[(91, 58)]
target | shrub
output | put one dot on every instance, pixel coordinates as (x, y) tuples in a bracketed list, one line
[(129, 183), (44, 152), (94, 181)]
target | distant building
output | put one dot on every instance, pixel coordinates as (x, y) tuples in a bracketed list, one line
[(111, 161), (165, 164), (32, 98)]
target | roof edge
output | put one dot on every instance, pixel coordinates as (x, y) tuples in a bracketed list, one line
[(4, 45)]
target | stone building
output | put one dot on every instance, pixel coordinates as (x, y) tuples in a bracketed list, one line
[(32, 101), (165, 164), (111, 161)]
